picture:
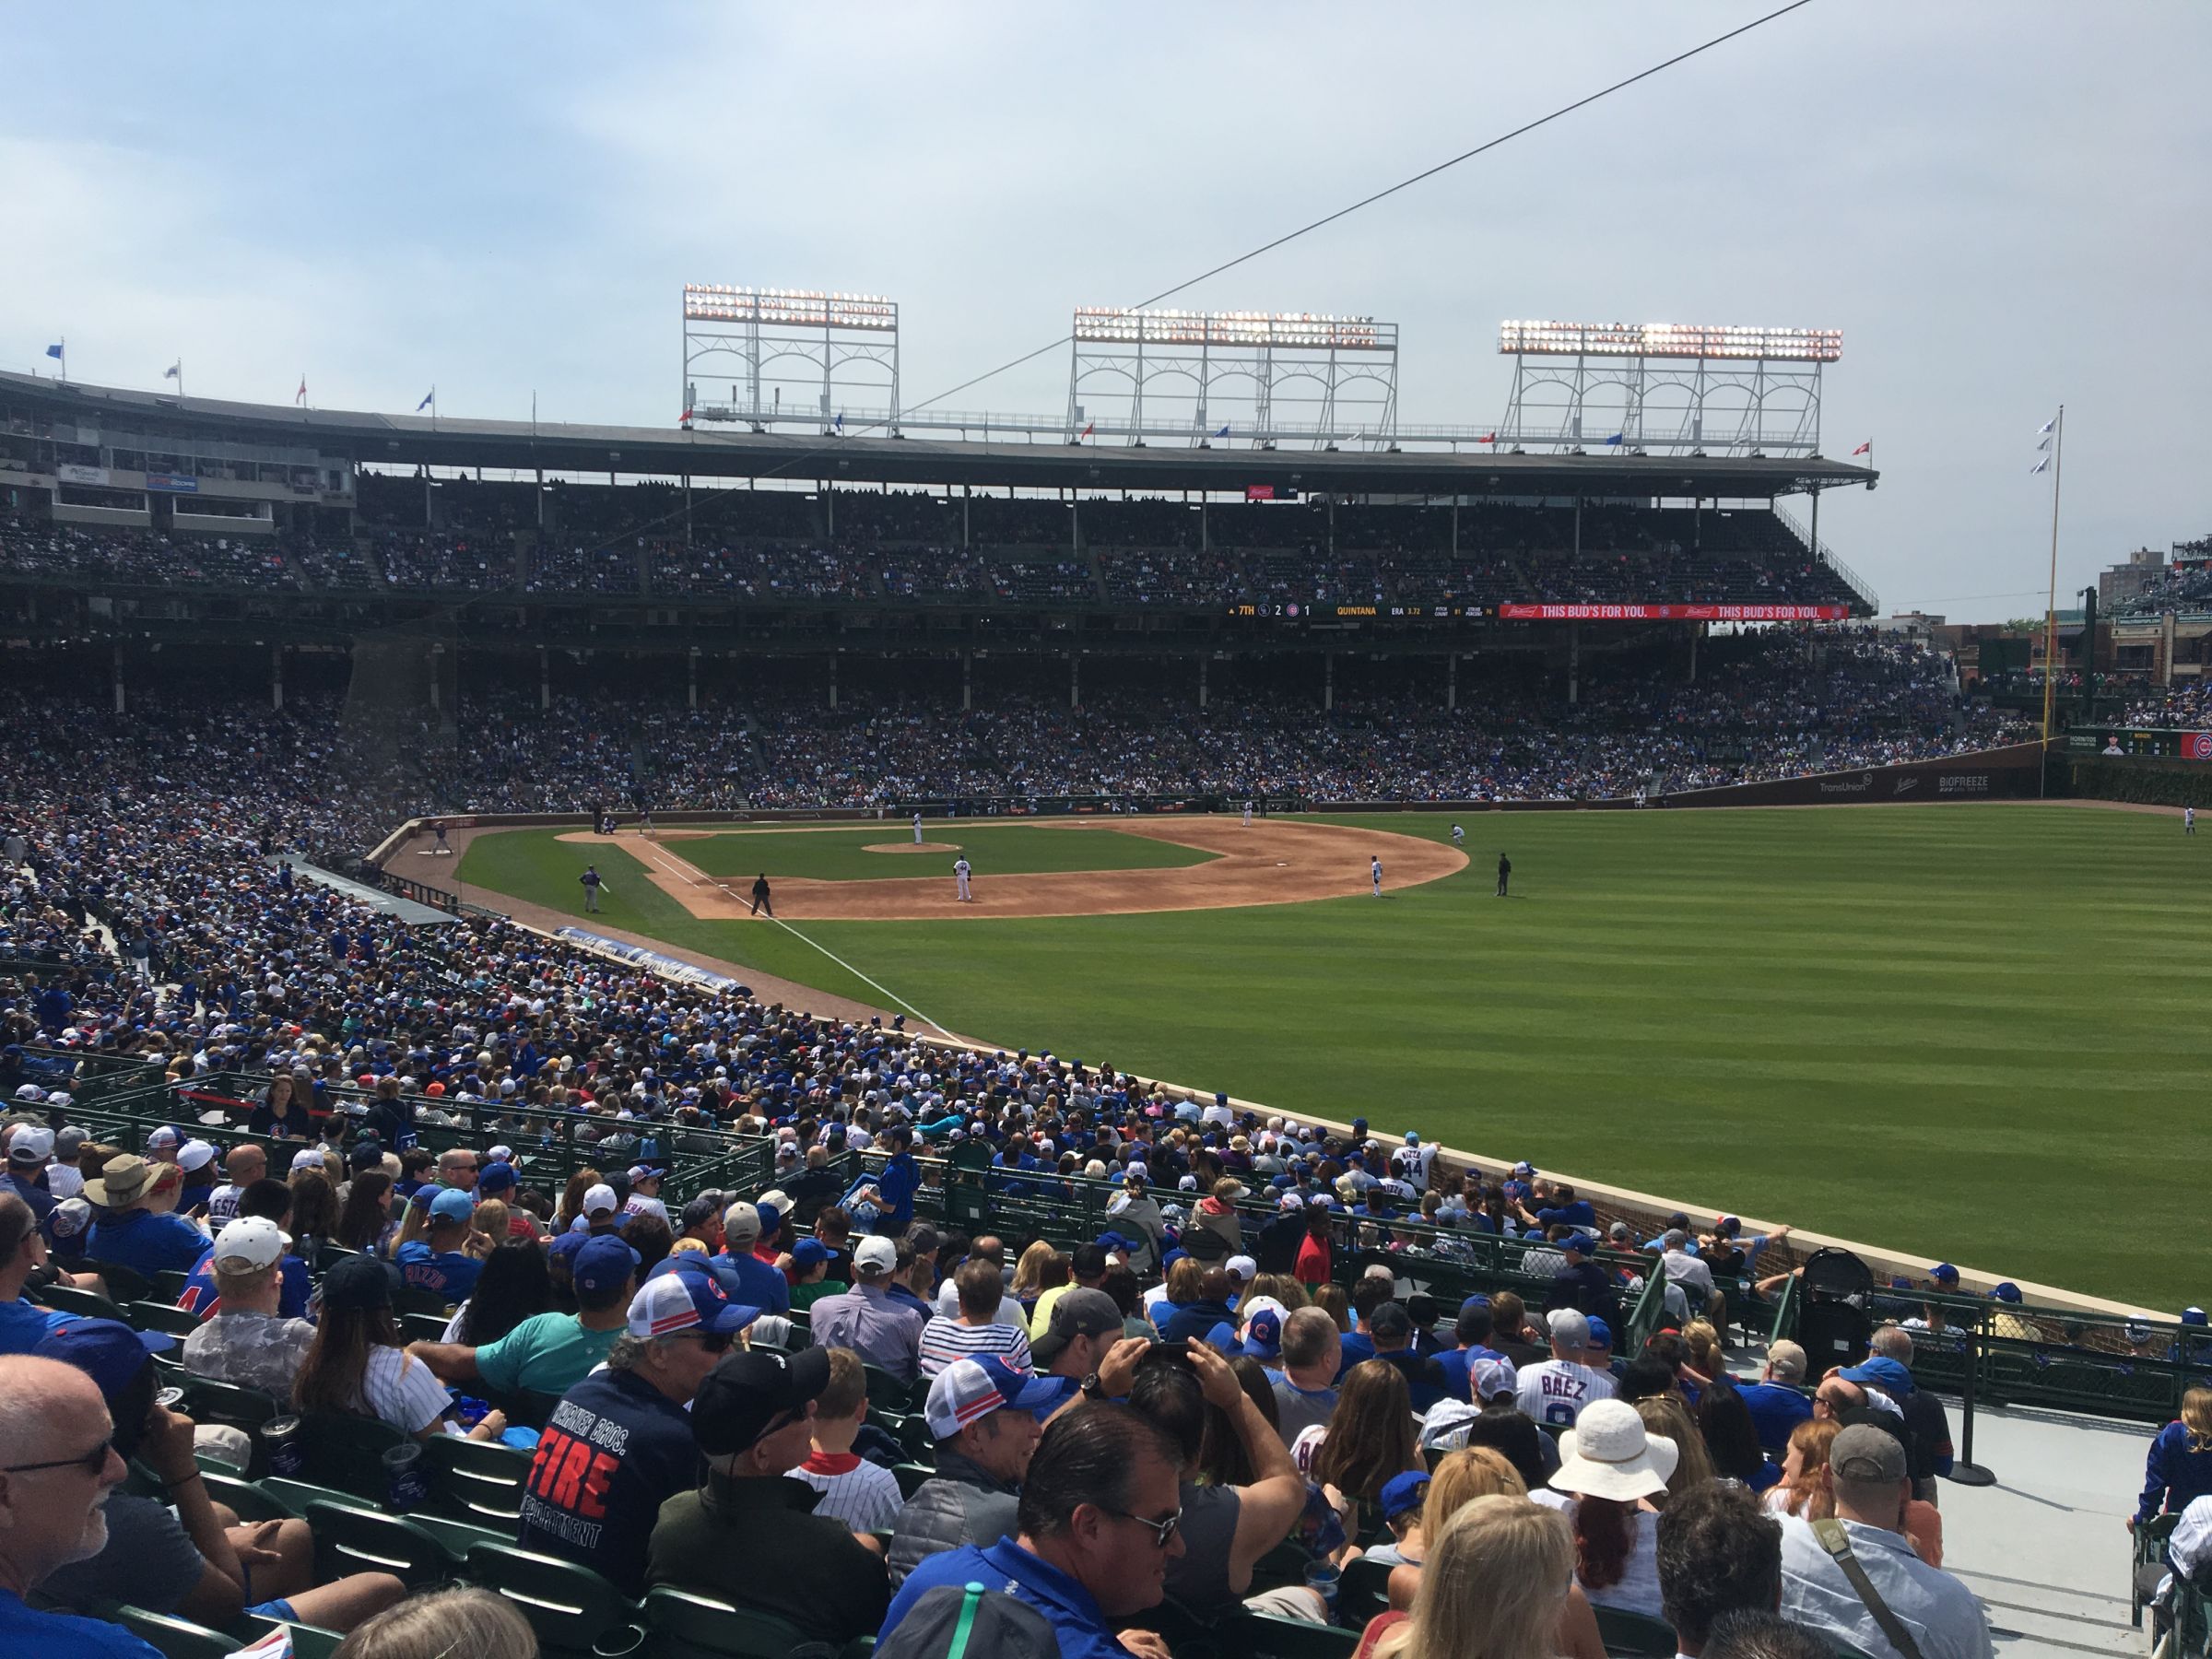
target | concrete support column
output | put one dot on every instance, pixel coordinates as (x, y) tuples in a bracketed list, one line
[(119, 679), (1577, 526), (1204, 541), (276, 678), (967, 680), (833, 682), (1574, 653), (829, 508), (1204, 664), (1696, 632), (1328, 683), (437, 696), (1452, 682), (687, 509), (966, 494), (1074, 680), (545, 679), (1455, 527), (691, 684)]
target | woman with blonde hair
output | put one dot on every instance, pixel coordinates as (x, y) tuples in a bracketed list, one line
[(2178, 1468), (1029, 1274), (1808, 1488), (475, 1622), (1667, 1413), (571, 1198), (1704, 1349), (1496, 1576), (1216, 1212), (487, 1230)]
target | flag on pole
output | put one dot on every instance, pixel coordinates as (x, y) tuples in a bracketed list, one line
[(686, 418), (1490, 438), (2046, 444), (1222, 434), (840, 422), (1613, 441), (429, 401), (1090, 427), (1865, 448), (53, 351), (2042, 465), (300, 397), (2044, 430), (175, 370)]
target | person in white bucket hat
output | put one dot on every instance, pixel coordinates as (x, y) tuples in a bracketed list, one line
[(1610, 1468)]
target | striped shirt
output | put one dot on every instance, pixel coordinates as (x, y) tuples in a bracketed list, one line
[(944, 1340), (861, 1495)]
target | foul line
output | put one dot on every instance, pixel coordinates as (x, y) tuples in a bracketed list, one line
[(692, 875)]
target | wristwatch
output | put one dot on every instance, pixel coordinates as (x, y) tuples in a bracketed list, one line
[(1088, 1388)]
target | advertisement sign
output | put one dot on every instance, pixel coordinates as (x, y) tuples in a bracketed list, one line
[(69, 472), (2196, 745), (174, 483), (1673, 612)]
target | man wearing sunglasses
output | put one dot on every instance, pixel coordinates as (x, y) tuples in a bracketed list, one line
[(619, 1444), (56, 1469), (751, 1536), (1100, 1519)]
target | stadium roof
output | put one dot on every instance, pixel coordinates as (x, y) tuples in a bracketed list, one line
[(413, 440)]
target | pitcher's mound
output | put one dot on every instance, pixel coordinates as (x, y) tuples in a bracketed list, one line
[(913, 847)]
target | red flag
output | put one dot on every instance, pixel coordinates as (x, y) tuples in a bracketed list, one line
[(686, 417), (1491, 439), (1865, 448), (1088, 428), (301, 396)]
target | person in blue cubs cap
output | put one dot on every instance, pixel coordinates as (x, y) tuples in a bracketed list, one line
[(436, 1263)]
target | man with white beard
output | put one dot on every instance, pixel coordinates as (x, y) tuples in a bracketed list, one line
[(56, 1468)]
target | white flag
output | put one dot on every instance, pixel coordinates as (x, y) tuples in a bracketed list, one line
[(2045, 444), (2046, 426), (2042, 465)]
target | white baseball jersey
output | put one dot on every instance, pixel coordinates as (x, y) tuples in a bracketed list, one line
[(1555, 1390)]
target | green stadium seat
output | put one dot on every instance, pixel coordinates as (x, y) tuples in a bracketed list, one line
[(350, 1539), (1633, 1633), (910, 1478), (208, 1401), (525, 1407), (476, 1481), (174, 1637), (1261, 1636), (347, 1451), (1364, 1591), (576, 1613), (422, 1327), (249, 1501), (124, 1284), (298, 1494), (85, 1304), (169, 1284), (460, 1536), (691, 1627), (163, 1316), (1285, 1564), (887, 1393)]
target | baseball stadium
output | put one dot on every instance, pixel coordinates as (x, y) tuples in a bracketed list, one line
[(839, 1027)]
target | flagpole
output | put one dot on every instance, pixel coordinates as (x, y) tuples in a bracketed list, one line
[(2058, 471)]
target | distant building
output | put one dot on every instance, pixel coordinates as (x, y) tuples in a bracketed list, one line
[(2128, 580)]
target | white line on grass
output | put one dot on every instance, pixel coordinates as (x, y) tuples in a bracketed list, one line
[(692, 875)]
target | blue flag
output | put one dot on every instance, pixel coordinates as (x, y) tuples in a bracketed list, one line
[(428, 398), (1613, 441), (840, 421), (1222, 434), (53, 351)]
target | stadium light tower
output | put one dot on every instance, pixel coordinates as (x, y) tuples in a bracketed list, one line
[(1666, 386), (790, 356), (1212, 377)]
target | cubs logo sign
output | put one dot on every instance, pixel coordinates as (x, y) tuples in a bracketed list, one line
[(2196, 745)]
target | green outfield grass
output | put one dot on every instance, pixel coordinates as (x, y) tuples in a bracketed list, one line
[(991, 849), (1972, 1031)]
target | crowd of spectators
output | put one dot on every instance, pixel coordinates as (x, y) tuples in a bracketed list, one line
[(766, 546)]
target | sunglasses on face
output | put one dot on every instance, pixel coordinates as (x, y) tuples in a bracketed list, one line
[(1163, 1532), (91, 1462)]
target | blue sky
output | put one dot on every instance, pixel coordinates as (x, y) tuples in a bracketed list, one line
[(2001, 206)]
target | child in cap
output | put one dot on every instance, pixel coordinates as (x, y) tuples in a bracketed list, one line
[(810, 1264), (863, 1495), (1402, 1500)]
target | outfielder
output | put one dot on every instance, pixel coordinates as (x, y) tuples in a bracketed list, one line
[(2188, 822), (1374, 873), (592, 882), (960, 875), (917, 828), (1459, 835)]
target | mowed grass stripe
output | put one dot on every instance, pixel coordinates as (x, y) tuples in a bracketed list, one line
[(1936, 1028)]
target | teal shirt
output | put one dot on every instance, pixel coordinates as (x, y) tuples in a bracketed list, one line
[(550, 1353)]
